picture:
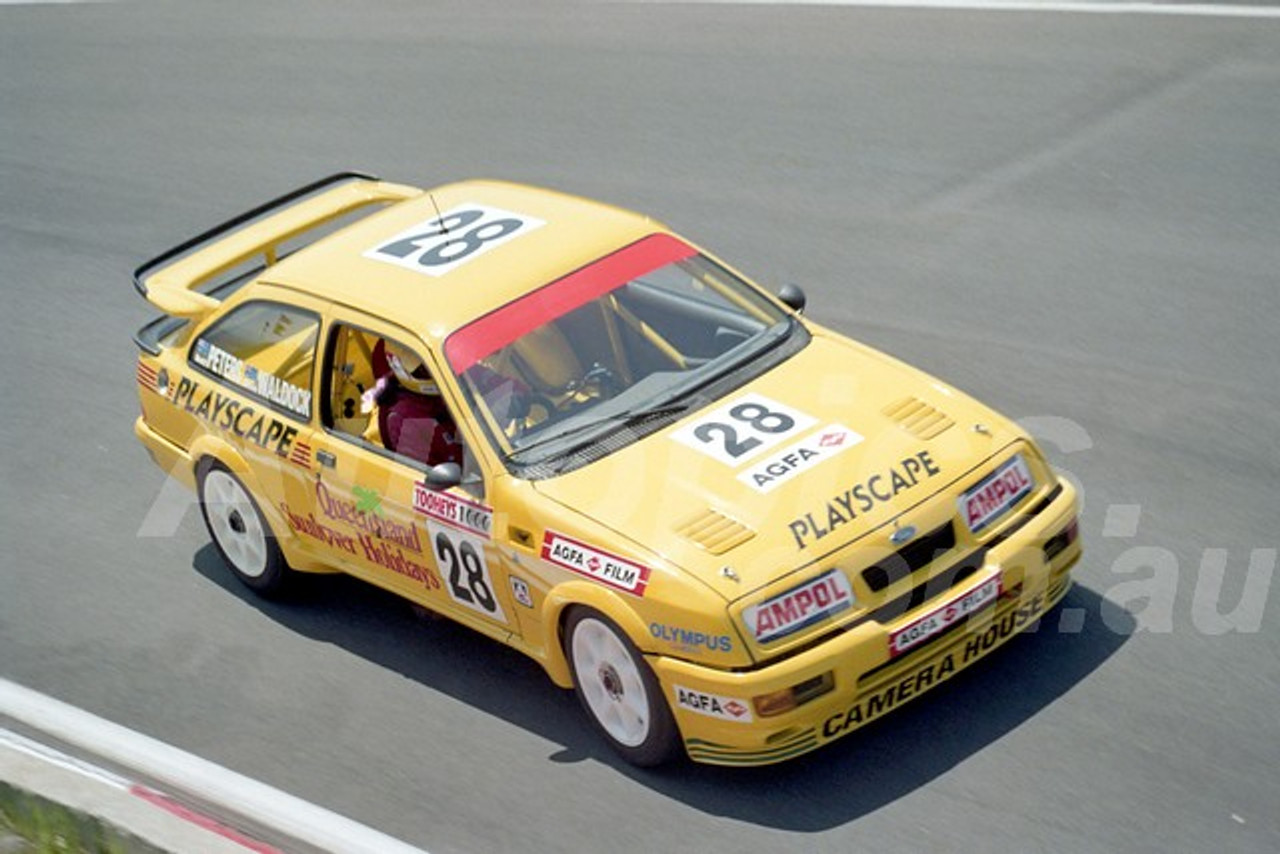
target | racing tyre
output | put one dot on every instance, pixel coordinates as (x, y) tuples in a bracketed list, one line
[(240, 532), (619, 691)]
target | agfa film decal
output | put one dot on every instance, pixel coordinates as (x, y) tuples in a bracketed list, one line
[(934, 672), (266, 385), (799, 607), (610, 569), (743, 429), (455, 237), (450, 509), (780, 467), (714, 705), (941, 619), (996, 494)]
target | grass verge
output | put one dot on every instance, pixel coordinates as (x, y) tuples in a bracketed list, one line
[(49, 828)]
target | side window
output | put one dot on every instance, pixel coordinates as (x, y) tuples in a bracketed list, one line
[(351, 382), (265, 348), (381, 392)]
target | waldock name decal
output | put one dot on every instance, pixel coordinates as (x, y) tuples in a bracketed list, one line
[(266, 385)]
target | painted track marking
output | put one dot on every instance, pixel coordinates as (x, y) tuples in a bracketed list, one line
[(184, 772)]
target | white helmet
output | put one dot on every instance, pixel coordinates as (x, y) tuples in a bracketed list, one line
[(409, 370)]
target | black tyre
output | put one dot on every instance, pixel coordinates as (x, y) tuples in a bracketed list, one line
[(619, 691), (240, 532)]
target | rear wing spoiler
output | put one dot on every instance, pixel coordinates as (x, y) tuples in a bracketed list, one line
[(170, 281)]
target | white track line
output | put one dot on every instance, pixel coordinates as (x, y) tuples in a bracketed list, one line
[(184, 772), (1096, 7)]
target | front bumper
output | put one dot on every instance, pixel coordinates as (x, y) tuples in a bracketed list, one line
[(1033, 566)]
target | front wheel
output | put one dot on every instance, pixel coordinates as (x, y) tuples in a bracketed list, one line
[(240, 532), (619, 691)]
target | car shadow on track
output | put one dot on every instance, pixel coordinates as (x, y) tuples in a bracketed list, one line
[(843, 781), (892, 757)]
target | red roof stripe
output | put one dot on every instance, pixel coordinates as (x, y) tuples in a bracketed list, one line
[(489, 334)]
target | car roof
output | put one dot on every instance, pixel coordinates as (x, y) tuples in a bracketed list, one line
[(574, 232)]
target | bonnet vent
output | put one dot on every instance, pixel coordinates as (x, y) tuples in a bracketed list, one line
[(919, 418), (715, 532)]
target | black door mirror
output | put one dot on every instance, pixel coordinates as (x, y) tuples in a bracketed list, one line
[(792, 297), (444, 476)]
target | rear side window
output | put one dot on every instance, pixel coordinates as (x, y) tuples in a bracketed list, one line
[(265, 349)]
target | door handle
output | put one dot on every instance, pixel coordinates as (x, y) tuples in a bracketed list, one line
[(326, 459)]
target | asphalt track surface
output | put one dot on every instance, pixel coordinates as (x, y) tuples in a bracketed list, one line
[(1074, 217)]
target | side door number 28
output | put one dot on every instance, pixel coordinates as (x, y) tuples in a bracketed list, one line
[(460, 557)]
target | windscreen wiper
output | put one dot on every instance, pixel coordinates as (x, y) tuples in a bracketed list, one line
[(618, 420)]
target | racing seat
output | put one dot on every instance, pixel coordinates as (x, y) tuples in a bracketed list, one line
[(546, 359)]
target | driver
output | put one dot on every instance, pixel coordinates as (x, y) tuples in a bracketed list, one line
[(412, 416)]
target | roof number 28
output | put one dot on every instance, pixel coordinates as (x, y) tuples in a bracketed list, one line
[(452, 239), (756, 417)]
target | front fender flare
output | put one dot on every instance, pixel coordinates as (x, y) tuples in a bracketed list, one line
[(583, 593)]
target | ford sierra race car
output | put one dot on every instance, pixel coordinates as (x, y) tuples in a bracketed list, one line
[(733, 533)]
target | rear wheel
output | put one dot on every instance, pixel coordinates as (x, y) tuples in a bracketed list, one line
[(240, 532), (619, 691)]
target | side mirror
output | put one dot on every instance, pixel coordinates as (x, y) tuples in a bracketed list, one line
[(443, 476), (792, 297)]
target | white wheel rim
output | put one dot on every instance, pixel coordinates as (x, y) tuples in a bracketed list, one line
[(235, 523), (610, 682)]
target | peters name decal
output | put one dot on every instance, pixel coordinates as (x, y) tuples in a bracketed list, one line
[(266, 385), (862, 498), (610, 569)]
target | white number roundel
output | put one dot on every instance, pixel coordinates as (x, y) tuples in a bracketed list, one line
[(453, 238)]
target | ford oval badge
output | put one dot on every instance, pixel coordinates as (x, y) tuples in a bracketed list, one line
[(901, 535)]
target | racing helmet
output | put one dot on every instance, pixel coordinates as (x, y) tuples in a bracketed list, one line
[(409, 370)]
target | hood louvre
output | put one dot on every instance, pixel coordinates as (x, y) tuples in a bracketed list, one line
[(715, 532), (919, 418)]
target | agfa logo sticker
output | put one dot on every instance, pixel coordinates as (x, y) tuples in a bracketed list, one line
[(714, 705)]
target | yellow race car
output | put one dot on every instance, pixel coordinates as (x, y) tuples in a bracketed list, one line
[(732, 532)]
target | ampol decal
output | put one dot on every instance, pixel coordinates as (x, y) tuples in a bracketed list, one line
[(828, 594), (996, 494)]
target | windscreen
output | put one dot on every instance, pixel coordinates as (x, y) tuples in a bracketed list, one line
[(611, 341)]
